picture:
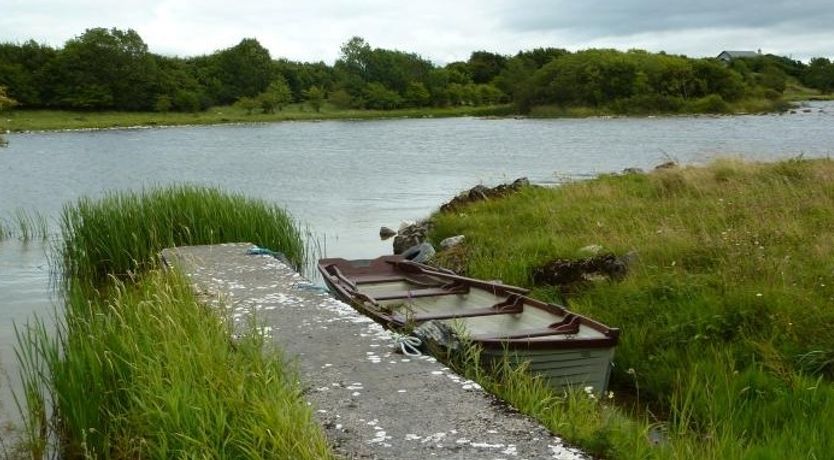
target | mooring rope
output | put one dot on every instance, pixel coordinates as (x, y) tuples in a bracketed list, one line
[(409, 345)]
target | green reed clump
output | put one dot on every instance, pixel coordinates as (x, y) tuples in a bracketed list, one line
[(726, 313), (123, 232), (146, 371)]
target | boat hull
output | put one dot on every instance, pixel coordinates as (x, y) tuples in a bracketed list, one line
[(566, 349)]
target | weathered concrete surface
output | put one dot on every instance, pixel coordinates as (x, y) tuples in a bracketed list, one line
[(373, 403)]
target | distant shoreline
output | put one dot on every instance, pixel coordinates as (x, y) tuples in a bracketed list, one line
[(42, 121)]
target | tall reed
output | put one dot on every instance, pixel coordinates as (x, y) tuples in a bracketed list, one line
[(139, 368), (123, 232)]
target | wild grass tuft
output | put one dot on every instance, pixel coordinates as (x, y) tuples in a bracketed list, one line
[(146, 371), (123, 232), (725, 315)]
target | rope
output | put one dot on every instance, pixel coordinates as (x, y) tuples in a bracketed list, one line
[(409, 345)]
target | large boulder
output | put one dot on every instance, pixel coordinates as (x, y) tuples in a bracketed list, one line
[(481, 193), (410, 236)]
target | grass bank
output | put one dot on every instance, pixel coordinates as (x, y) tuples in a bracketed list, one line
[(52, 120), (139, 368), (711, 105), (727, 348)]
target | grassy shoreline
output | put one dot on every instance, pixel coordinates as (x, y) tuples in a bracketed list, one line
[(60, 120), (23, 120), (727, 350)]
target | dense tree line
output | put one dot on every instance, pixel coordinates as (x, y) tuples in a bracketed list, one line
[(113, 69)]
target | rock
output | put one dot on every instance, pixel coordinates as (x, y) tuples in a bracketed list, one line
[(481, 193), (567, 272), (666, 165), (385, 233), (451, 242), (406, 223), (633, 171), (419, 253), (409, 236)]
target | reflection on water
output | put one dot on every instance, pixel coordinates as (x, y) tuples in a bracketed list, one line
[(24, 292)]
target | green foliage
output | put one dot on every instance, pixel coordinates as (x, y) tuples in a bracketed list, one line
[(377, 96), (340, 99), (248, 104), (276, 95), (416, 95), (725, 313), (484, 66), (104, 69), (315, 97), (6, 102), (163, 104), (112, 69), (820, 75), (122, 233)]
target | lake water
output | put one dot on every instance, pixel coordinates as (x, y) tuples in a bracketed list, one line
[(345, 179)]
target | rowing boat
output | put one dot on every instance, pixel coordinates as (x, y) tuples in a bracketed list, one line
[(567, 349)]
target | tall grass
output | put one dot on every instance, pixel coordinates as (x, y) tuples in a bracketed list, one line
[(145, 371), (138, 367), (727, 313), (124, 232)]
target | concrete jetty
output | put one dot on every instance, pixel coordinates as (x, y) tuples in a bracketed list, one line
[(373, 402)]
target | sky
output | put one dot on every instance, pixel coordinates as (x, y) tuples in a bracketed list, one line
[(440, 30)]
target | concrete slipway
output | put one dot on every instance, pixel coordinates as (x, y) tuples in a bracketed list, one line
[(373, 402)]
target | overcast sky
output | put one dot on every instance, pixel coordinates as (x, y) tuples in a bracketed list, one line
[(440, 30)]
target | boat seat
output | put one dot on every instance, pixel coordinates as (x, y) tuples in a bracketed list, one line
[(511, 305), (427, 292), (569, 325)]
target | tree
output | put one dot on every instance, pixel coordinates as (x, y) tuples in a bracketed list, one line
[(278, 94), (248, 104), (315, 97), (245, 69), (820, 75), (5, 103), (163, 103), (377, 96), (484, 66), (103, 69), (416, 94), (341, 99)]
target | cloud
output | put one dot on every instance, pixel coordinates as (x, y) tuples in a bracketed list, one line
[(441, 31), (593, 18)]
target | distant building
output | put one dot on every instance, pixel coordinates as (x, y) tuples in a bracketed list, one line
[(728, 56)]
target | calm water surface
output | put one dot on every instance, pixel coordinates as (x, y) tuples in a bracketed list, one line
[(345, 179)]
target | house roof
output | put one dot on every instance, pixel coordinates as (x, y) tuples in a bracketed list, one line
[(738, 54)]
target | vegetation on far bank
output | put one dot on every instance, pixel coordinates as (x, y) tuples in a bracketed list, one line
[(113, 70), (727, 349), (139, 367), (48, 120)]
